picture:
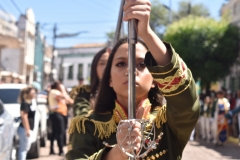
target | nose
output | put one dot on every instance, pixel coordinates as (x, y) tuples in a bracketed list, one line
[(136, 72)]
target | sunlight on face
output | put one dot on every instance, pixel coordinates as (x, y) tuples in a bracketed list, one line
[(102, 64), (119, 80)]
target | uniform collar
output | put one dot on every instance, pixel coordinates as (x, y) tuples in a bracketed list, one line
[(120, 113)]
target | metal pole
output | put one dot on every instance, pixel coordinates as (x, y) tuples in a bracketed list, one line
[(53, 49), (132, 40), (119, 23)]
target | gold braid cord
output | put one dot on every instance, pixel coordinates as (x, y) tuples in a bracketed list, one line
[(105, 129), (171, 84)]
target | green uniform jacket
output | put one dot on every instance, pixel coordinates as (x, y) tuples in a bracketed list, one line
[(181, 114), (81, 95)]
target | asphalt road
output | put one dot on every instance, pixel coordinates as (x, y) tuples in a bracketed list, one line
[(193, 151)]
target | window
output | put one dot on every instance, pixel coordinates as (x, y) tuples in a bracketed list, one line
[(80, 71), (88, 72), (9, 96), (70, 72), (61, 72)]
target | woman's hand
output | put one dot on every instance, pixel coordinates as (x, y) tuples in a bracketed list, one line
[(28, 133), (140, 10), (129, 135)]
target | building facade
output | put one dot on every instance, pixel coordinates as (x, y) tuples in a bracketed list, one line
[(232, 81), (75, 62), (11, 48)]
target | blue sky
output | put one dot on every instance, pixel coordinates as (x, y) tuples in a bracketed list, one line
[(97, 17)]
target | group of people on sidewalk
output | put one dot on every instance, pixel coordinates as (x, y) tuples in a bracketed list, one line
[(214, 111)]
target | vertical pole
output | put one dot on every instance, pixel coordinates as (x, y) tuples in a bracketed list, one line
[(53, 49), (170, 12), (119, 23), (132, 40)]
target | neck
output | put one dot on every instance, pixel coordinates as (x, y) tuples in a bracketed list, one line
[(124, 101)]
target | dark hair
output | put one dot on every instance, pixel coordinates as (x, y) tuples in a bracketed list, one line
[(106, 97), (55, 85), (94, 77), (24, 93)]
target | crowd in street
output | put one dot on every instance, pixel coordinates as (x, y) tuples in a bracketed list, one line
[(214, 113)]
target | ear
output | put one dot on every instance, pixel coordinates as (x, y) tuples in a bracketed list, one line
[(109, 50), (110, 82)]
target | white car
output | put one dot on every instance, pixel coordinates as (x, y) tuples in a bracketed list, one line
[(9, 94), (7, 149)]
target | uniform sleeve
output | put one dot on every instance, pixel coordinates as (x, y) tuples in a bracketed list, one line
[(178, 87), (24, 107), (85, 145), (81, 104)]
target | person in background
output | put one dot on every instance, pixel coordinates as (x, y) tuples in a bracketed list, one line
[(84, 95), (205, 116), (222, 107), (57, 101), (27, 113), (80, 81)]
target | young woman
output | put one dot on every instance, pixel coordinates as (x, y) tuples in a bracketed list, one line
[(85, 95), (58, 100), (159, 72), (27, 112)]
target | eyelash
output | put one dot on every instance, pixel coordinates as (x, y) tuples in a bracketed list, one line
[(139, 66)]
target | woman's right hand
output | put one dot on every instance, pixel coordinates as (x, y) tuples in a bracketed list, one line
[(129, 135), (28, 133)]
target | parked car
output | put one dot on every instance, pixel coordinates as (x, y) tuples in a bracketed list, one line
[(7, 149), (9, 94)]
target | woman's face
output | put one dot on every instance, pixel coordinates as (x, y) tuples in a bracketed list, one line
[(119, 68), (102, 64), (32, 94)]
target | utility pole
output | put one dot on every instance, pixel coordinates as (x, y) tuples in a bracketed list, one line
[(53, 53), (170, 12)]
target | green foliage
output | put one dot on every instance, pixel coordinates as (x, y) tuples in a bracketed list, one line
[(186, 8), (159, 16), (208, 47)]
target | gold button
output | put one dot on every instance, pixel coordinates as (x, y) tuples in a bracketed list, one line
[(148, 158), (157, 155), (164, 151), (161, 153), (152, 157)]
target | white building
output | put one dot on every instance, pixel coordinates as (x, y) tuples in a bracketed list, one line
[(232, 81), (10, 49), (26, 31), (76, 62)]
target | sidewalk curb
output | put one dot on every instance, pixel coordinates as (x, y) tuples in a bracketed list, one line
[(233, 140)]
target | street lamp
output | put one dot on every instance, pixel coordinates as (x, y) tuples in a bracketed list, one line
[(55, 36)]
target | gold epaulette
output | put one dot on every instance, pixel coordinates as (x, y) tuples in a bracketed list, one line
[(80, 88), (104, 129), (161, 116)]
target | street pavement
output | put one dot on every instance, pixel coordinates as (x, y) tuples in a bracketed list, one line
[(193, 151), (207, 151)]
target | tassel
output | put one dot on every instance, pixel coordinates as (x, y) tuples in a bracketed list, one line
[(161, 117), (104, 129)]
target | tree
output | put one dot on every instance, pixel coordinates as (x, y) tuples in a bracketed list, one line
[(208, 47), (186, 8)]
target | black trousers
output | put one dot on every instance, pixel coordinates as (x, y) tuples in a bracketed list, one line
[(58, 131)]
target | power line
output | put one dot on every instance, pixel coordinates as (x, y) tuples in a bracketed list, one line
[(16, 6), (79, 22)]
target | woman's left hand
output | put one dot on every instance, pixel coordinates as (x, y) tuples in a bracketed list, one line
[(140, 10)]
